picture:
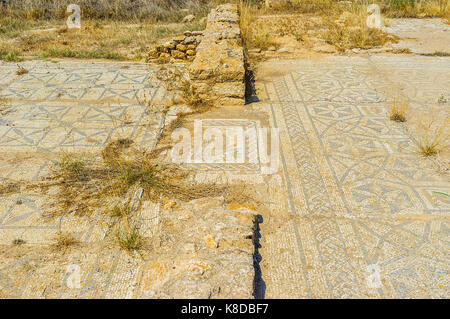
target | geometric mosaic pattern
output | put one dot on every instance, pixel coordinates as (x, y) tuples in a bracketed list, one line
[(67, 107), (249, 136), (360, 197)]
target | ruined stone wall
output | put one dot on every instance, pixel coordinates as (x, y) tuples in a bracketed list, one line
[(217, 72)]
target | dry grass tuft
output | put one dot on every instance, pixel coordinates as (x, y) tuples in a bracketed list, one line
[(416, 9), (18, 242), (9, 188), (5, 105), (85, 184), (343, 26), (402, 51), (129, 238), (254, 32), (64, 241), (431, 146), (120, 211), (350, 30), (71, 167), (112, 151), (398, 110)]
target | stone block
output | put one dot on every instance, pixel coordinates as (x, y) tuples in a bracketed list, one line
[(178, 54)]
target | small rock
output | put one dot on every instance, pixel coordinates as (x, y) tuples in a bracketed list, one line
[(187, 33), (178, 54), (188, 18), (184, 216), (190, 52), (189, 40), (191, 46), (181, 47)]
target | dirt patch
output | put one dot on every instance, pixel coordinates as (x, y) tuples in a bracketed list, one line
[(421, 36)]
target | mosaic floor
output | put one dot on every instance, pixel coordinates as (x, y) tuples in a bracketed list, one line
[(57, 108), (355, 211), (364, 215)]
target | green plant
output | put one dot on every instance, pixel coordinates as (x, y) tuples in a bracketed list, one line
[(129, 238)]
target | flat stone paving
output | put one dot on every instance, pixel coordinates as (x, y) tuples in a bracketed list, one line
[(58, 108), (359, 214)]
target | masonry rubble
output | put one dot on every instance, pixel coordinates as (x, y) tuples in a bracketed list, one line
[(181, 47)]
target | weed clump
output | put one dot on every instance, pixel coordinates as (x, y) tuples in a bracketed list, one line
[(84, 185), (434, 139), (72, 168), (64, 241), (18, 242), (128, 238), (21, 70), (398, 110)]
